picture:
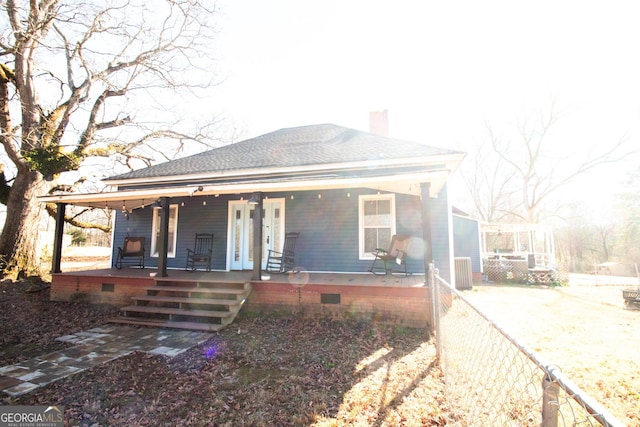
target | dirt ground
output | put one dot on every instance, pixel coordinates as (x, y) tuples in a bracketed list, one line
[(584, 329), (264, 370)]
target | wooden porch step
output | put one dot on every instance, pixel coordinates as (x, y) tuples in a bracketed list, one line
[(224, 300), (200, 282), (229, 291), (210, 327), (209, 301), (176, 311)]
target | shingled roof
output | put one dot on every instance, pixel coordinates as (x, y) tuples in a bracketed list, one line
[(324, 144), (293, 159)]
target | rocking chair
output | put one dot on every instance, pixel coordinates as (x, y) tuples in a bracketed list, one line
[(133, 248), (201, 253), (396, 255), (282, 262)]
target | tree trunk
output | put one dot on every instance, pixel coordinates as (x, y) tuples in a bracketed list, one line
[(18, 241)]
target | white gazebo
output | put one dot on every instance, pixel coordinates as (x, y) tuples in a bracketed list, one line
[(518, 250)]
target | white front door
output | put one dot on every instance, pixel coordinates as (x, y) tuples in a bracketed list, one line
[(242, 215)]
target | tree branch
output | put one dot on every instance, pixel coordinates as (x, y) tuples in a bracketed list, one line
[(52, 211)]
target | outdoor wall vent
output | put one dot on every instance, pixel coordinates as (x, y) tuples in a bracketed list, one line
[(108, 287), (330, 298)]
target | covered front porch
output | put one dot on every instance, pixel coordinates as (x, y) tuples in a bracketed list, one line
[(403, 300), (348, 195)]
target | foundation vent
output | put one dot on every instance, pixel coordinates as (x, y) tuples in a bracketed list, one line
[(330, 298)]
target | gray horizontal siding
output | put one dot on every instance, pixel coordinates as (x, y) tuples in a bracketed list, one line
[(193, 217), (440, 234), (466, 241), (329, 230), (138, 224), (328, 227)]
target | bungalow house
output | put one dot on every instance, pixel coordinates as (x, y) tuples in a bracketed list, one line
[(345, 192)]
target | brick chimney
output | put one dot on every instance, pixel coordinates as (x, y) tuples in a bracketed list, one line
[(379, 123)]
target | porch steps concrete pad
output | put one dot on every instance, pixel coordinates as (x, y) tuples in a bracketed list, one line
[(175, 311), (196, 326), (94, 347)]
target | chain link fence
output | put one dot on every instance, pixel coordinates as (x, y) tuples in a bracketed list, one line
[(492, 379), (530, 271)]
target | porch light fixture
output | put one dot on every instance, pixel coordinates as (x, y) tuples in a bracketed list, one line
[(255, 198), (194, 190)]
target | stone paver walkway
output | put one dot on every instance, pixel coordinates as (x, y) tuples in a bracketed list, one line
[(91, 348)]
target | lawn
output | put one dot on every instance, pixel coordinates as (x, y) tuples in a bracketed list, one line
[(583, 329), (275, 370)]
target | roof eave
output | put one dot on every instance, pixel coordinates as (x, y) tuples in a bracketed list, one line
[(450, 160), (137, 198)]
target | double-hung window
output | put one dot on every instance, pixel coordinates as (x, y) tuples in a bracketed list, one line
[(377, 223), (173, 227)]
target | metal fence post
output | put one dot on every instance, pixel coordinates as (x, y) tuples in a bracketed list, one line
[(471, 347), (550, 391), (436, 310), (432, 298)]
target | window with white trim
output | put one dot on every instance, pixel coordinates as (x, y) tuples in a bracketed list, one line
[(377, 222), (173, 227)]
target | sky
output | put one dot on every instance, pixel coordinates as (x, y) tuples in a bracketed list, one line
[(442, 69)]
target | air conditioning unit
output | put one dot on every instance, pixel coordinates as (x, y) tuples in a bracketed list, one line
[(464, 276)]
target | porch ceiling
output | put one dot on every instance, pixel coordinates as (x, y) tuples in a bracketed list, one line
[(408, 183)]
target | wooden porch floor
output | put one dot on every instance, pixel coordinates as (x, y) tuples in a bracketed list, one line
[(302, 278)]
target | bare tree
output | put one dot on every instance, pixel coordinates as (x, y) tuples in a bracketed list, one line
[(629, 207), (531, 165), (489, 184), (73, 81)]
